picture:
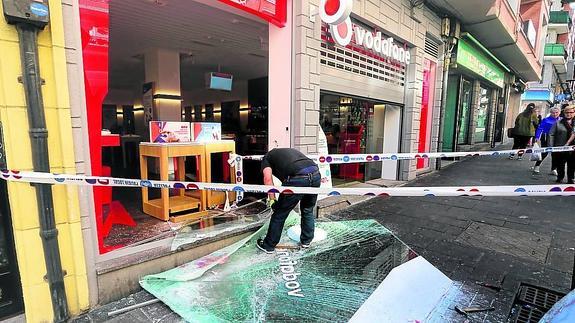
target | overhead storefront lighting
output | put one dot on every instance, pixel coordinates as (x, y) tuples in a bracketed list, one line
[(167, 97)]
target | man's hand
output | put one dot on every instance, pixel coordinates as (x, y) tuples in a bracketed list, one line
[(271, 201)]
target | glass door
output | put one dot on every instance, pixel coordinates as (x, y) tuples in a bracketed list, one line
[(483, 115), (464, 112)]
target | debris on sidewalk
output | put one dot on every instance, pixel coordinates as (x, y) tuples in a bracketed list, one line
[(133, 307), (473, 309), (496, 288)]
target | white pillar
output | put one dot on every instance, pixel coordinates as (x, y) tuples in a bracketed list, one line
[(280, 83), (163, 68)]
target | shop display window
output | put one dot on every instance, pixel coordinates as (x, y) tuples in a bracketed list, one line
[(133, 76), (353, 126)]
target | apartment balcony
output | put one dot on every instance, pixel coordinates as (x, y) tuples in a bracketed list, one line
[(495, 23), (557, 54), (559, 21)]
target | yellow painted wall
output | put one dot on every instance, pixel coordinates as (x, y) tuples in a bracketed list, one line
[(13, 115)]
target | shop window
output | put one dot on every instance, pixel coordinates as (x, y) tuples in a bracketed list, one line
[(115, 62), (354, 126), (465, 100)]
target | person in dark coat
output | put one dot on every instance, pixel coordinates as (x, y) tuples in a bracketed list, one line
[(559, 135), (525, 125), (294, 169)]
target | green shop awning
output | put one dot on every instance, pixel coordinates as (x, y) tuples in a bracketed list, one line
[(479, 61)]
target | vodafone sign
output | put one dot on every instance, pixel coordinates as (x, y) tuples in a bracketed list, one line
[(336, 13)]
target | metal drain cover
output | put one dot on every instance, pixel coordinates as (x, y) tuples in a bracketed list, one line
[(513, 242), (532, 302)]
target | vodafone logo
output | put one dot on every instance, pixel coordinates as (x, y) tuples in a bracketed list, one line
[(336, 13)]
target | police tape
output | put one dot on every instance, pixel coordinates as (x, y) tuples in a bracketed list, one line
[(94, 181), (367, 158)]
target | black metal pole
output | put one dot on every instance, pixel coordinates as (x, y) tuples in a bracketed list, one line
[(28, 37)]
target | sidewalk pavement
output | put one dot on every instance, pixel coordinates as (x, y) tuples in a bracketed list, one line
[(500, 241), (497, 241)]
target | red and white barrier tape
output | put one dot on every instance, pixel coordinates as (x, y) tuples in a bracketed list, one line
[(65, 179), (367, 158)]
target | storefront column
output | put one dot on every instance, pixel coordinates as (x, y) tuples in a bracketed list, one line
[(493, 115), (280, 83), (411, 115), (163, 69)]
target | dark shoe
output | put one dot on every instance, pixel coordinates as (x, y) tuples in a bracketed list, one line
[(304, 245), (559, 180), (260, 245), (570, 181)]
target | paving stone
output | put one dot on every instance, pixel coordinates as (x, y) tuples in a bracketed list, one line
[(560, 259), (509, 241), (498, 208)]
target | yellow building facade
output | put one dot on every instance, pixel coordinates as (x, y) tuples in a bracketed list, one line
[(22, 196)]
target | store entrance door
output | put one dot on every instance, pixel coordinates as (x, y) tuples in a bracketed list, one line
[(10, 288)]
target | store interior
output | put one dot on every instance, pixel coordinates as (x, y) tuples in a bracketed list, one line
[(177, 45), (359, 126)]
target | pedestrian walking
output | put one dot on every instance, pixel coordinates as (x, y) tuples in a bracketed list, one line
[(559, 136), (524, 129), (294, 169), (542, 138)]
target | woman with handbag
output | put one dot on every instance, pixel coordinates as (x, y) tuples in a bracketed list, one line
[(525, 125)]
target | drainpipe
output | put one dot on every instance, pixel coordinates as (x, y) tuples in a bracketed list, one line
[(28, 38)]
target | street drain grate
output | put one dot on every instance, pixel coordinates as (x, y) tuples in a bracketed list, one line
[(540, 297), (532, 302), (529, 314)]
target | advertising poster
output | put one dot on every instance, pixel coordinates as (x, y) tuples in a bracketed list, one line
[(169, 132), (206, 131), (324, 168), (148, 101)]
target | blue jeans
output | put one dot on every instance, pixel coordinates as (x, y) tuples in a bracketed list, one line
[(287, 202)]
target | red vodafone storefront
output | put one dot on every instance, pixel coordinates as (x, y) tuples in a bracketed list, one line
[(105, 86)]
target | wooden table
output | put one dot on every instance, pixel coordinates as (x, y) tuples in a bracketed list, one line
[(164, 206)]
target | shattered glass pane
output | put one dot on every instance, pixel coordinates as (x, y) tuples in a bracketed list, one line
[(328, 282)]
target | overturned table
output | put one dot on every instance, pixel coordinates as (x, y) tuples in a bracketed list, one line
[(195, 203)]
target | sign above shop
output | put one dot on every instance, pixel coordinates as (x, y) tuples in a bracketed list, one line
[(336, 13), (478, 63), (273, 11)]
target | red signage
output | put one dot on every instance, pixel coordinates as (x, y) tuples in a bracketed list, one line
[(273, 11)]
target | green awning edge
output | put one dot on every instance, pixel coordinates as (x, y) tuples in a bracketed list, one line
[(478, 44)]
